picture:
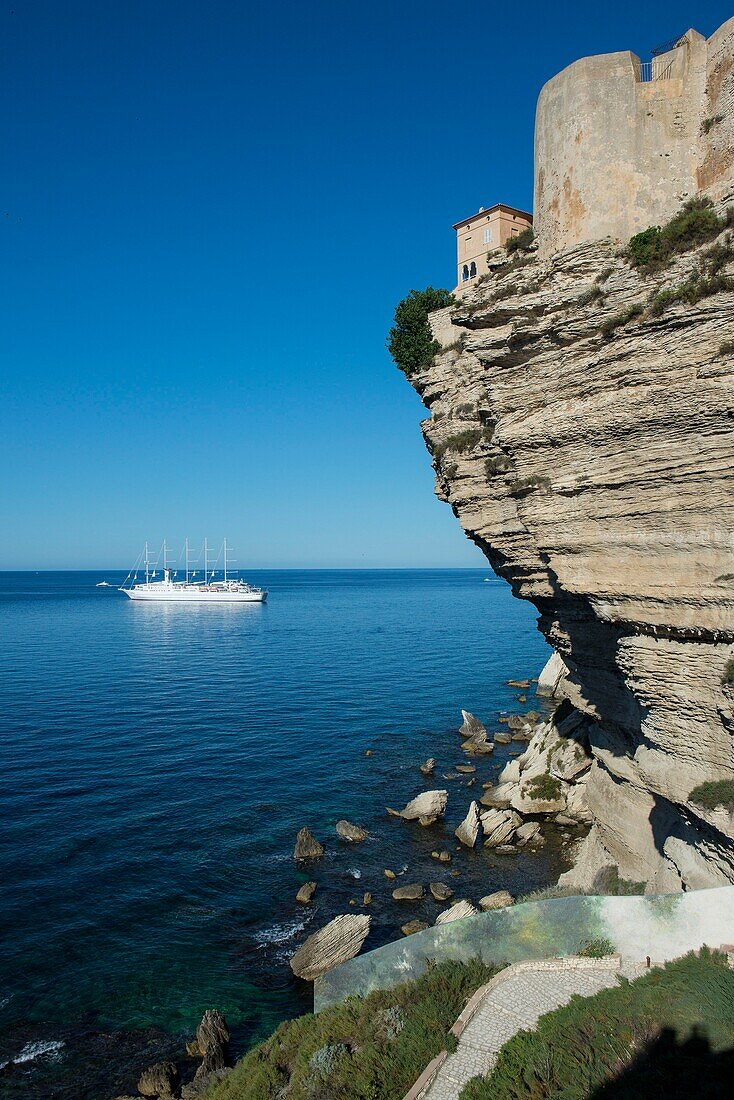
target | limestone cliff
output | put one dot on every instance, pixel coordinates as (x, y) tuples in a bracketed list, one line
[(596, 472)]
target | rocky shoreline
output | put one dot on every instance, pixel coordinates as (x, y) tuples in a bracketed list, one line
[(539, 789)]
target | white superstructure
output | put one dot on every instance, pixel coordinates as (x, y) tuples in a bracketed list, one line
[(189, 590)]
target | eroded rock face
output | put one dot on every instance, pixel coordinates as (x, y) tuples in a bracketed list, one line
[(468, 831), (307, 846), (335, 943), (457, 911), (212, 1039), (600, 485)]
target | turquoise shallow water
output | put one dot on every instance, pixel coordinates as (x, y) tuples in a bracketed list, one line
[(157, 762)]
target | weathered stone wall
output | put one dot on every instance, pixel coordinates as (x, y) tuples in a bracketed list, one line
[(615, 154), (442, 328), (715, 173)]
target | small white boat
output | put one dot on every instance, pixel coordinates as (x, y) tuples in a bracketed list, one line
[(102, 584), (189, 590)]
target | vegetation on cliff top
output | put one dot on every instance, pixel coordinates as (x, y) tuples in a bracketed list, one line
[(370, 1048), (521, 242), (661, 1035), (410, 340)]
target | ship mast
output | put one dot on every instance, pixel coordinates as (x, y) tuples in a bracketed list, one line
[(147, 568), (206, 563), (165, 565), (186, 552), (225, 561)]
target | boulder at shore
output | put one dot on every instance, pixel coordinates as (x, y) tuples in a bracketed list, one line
[(160, 1080), (411, 892), (458, 911), (307, 846), (212, 1039), (353, 833), (468, 831), (430, 804), (335, 943), (305, 893), (498, 900)]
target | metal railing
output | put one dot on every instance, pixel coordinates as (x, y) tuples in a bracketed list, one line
[(655, 70)]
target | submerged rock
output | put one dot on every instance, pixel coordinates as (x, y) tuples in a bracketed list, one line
[(442, 856), (307, 846), (468, 831), (428, 767), (440, 891), (335, 943), (353, 833), (412, 927), (465, 769), (457, 911)]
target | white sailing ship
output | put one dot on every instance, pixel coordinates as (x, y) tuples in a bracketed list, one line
[(227, 589)]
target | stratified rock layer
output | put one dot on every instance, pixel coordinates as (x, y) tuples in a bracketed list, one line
[(597, 474), (335, 943)]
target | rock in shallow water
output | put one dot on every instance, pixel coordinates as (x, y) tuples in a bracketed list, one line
[(440, 891), (458, 911), (353, 833), (161, 1080), (306, 892), (307, 846), (468, 831), (412, 927), (412, 892), (430, 804), (429, 766), (498, 900), (335, 943)]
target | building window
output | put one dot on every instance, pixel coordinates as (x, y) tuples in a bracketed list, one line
[(467, 244), (464, 273), (487, 236), (473, 270)]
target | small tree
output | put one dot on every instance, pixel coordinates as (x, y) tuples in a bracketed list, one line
[(410, 340)]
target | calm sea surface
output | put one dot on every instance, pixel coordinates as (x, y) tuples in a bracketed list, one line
[(157, 762)]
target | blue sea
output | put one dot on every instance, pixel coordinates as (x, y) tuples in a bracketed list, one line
[(157, 763)]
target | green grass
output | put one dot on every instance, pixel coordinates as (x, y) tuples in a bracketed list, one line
[(692, 291), (708, 123), (370, 1048), (714, 794), (591, 1042), (693, 225), (727, 348), (521, 486), (499, 465)]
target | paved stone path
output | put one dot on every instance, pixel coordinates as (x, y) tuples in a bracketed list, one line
[(511, 1005)]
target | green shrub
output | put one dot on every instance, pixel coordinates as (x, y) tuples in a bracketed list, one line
[(410, 340), (610, 326), (377, 1060), (726, 347), (591, 1042), (716, 793), (461, 441), (522, 242), (708, 123), (544, 787), (728, 676), (450, 471), (692, 226), (692, 291), (451, 1043), (499, 465), (596, 949)]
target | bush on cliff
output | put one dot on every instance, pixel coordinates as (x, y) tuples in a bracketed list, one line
[(714, 795), (370, 1048), (661, 1035), (521, 242), (693, 225), (410, 340)]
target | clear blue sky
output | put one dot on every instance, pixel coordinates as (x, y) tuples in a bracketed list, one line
[(209, 212)]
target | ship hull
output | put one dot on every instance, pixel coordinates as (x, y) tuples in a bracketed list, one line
[(192, 596)]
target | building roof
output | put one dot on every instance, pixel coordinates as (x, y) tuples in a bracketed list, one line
[(491, 210)]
